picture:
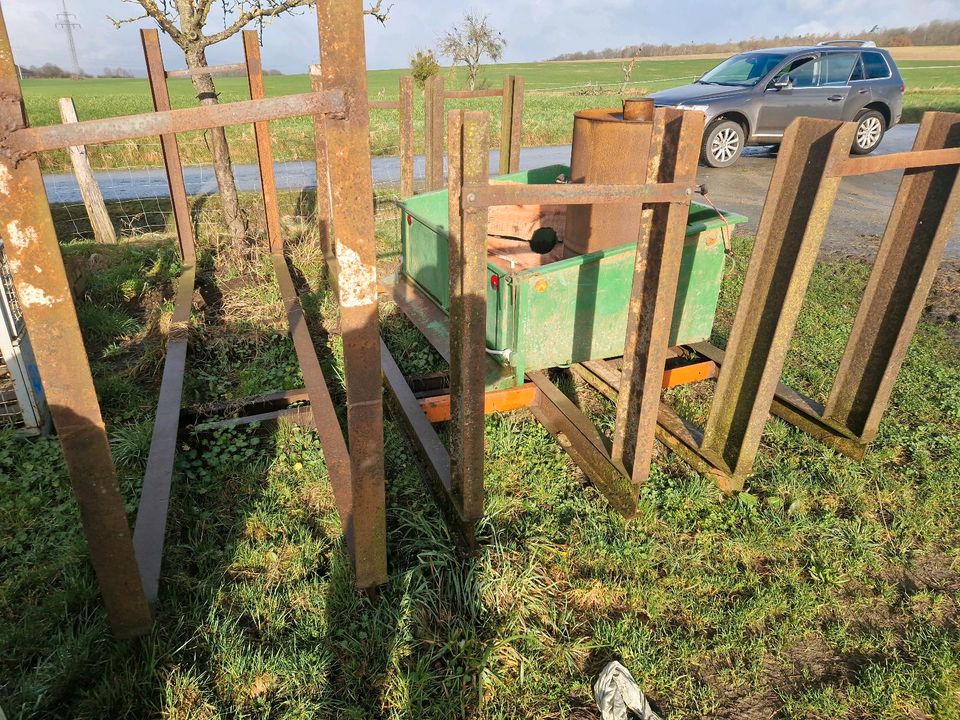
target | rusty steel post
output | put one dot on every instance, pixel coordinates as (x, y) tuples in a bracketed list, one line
[(506, 119), (791, 227), (150, 527), (511, 122), (674, 155), (343, 65), (469, 165), (322, 198), (406, 136), (903, 272), (434, 104), (33, 255), (261, 132), (516, 123), (168, 146), (26, 141)]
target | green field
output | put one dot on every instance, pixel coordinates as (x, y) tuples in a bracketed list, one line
[(554, 92), (829, 589)]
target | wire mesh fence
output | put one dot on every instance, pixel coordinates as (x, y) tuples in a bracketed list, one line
[(132, 180)]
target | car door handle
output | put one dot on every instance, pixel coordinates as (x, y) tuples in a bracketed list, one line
[(862, 92), (835, 98)]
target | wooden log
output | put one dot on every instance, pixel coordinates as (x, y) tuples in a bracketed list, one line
[(89, 188)]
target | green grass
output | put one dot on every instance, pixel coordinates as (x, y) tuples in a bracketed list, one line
[(828, 590), (554, 92)]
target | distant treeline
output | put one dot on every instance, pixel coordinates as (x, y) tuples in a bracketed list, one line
[(49, 70), (938, 32)]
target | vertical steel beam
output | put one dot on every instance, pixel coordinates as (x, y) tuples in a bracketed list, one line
[(511, 123), (795, 215), (343, 65), (261, 132), (322, 200), (406, 136), (469, 164), (33, 255), (516, 123), (917, 232), (434, 126), (673, 158), (168, 145), (506, 120)]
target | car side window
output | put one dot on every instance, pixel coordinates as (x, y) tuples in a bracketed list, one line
[(801, 70), (875, 66), (837, 68), (807, 73), (858, 72)]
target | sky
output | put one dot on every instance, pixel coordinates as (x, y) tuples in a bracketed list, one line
[(533, 29)]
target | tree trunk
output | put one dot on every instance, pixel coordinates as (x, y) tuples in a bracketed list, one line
[(222, 166)]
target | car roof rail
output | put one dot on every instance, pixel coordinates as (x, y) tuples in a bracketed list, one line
[(854, 43)]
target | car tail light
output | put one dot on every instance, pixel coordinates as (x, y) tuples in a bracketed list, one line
[(495, 282), (409, 219)]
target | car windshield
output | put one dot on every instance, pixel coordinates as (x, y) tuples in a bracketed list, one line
[(743, 70)]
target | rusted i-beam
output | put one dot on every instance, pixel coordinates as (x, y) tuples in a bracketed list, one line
[(343, 65), (150, 528), (324, 415), (488, 195), (511, 123), (791, 228), (168, 146), (673, 159), (26, 141), (406, 136), (211, 70), (433, 97), (261, 134), (322, 199), (33, 256), (916, 234), (468, 165)]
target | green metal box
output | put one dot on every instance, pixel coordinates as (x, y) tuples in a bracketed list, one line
[(570, 310)]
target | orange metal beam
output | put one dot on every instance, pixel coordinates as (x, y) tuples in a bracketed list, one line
[(437, 408), (694, 372)]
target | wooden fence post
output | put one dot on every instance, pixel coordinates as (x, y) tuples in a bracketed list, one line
[(89, 189)]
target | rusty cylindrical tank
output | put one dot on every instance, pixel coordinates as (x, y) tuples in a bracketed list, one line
[(610, 147)]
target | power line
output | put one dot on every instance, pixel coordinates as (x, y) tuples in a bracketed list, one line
[(65, 20)]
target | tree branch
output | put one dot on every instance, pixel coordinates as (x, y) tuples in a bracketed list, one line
[(152, 12), (255, 13)]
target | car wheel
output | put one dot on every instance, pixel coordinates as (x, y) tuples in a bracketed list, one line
[(722, 143), (870, 128)]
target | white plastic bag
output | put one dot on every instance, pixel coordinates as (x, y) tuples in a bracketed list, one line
[(618, 695)]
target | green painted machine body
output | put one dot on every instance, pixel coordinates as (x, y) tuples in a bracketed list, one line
[(574, 309)]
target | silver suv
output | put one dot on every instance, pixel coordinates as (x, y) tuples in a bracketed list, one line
[(750, 98)]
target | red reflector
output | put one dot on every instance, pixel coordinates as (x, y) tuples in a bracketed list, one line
[(409, 219), (495, 281)]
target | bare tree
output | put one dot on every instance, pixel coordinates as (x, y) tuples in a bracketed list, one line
[(627, 70), (184, 22), (469, 41)]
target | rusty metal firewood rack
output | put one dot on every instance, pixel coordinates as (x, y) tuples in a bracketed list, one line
[(511, 123), (127, 568), (814, 157)]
